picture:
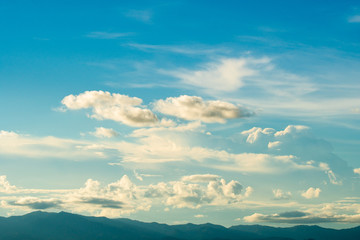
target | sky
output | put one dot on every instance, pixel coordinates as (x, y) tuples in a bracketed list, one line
[(232, 112)]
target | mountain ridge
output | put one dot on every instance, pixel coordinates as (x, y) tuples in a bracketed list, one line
[(41, 225)]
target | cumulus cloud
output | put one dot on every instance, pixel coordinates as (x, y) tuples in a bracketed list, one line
[(195, 108), (357, 170), (123, 196), (5, 186), (311, 193), (255, 133), (184, 194), (116, 107), (102, 132), (280, 194), (6, 134), (225, 75)]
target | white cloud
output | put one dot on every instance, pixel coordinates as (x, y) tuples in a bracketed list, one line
[(43, 147), (200, 178), (357, 170), (225, 75), (280, 194), (195, 108), (102, 132), (5, 186), (311, 193), (354, 19), (116, 107), (199, 216), (291, 129), (255, 133), (6, 134), (140, 15), (107, 35)]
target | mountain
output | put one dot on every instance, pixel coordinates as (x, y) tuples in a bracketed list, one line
[(66, 226)]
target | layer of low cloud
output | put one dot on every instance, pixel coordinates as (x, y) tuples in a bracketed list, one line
[(299, 217), (125, 197)]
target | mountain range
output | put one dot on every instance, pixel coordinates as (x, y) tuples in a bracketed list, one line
[(66, 226)]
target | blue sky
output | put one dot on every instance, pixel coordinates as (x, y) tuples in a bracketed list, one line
[(243, 112)]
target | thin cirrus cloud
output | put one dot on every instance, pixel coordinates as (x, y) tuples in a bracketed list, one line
[(225, 75), (144, 16), (354, 19), (107, 35)]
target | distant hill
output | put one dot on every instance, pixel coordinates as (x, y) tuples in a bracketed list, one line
[(66, 226)]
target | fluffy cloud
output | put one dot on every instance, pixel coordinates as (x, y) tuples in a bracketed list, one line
[(184, 194), (357, 170), (311, 193), (280, 194), (124, 197), (5, 186), (116, 107), (195, 108), (102, 132), (226, 75)]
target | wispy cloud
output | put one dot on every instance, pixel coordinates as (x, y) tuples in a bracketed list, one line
[(179, 49), (354, 19), (144, 16), (107, 35)]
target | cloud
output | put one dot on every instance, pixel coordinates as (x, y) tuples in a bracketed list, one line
[(140, 15), (124, 197), (299, 217), (102, 132), (187, 50), (295, 217), (225, 75), (354, 19), (116, 107), (200, 178), (281, 195), (255, 133), (6, 134), (182, 194), (5, 186), (195, 108), (37, 203), (107, 35), (43, 147), (199, 216), (311, 193), (357, 170)]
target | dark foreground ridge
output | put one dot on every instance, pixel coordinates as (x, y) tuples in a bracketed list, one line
[(66, 226)]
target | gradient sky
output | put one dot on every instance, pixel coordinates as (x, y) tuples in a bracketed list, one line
[(239, 112)]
